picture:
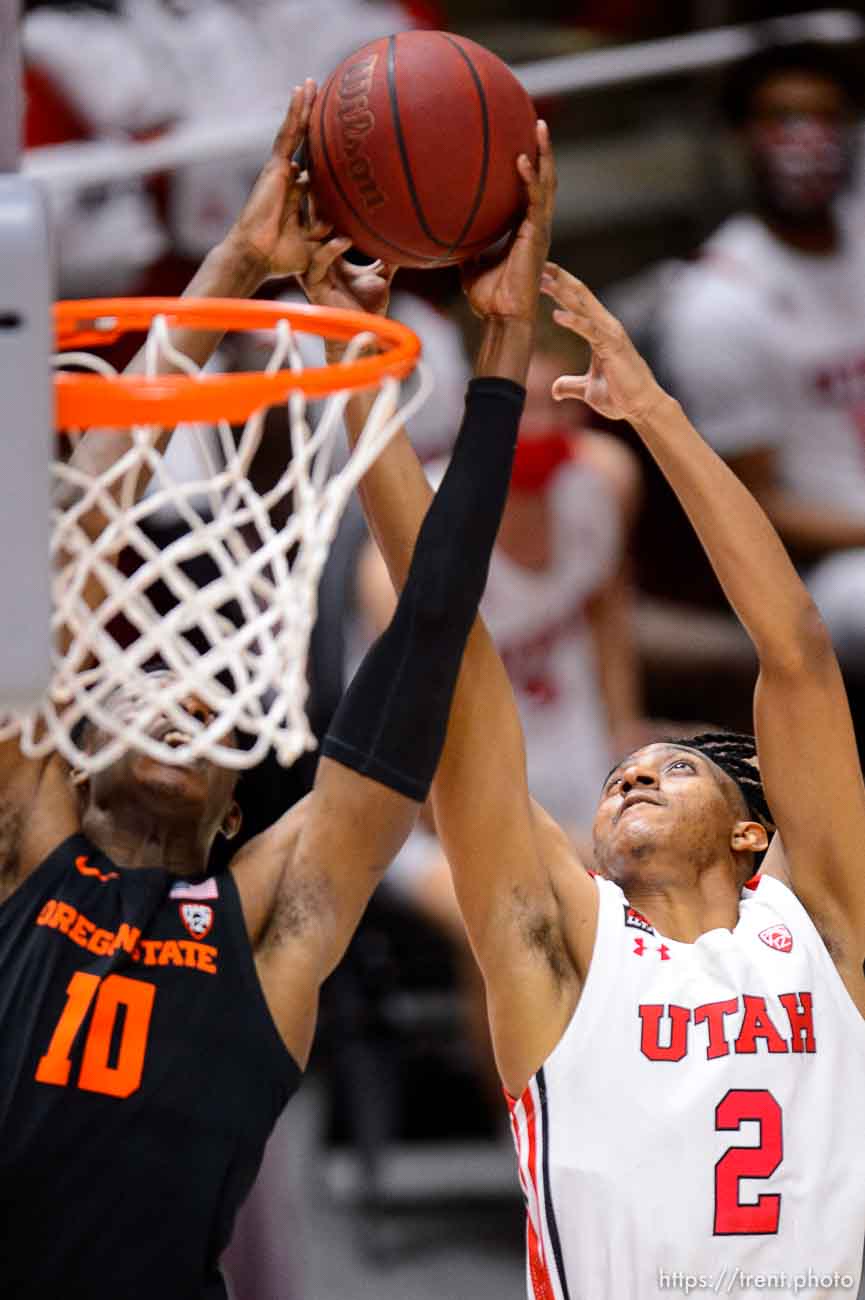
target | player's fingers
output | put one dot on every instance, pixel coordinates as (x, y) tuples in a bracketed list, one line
[(540, 182), (589, 317), (296, 119), (312, 216), (563, 287), (570, 386), (323, 259), (295, 190), (307, 101), (575, 323), (528, 176), (288, 130), (574, 295), (314, 226), (546, 163)]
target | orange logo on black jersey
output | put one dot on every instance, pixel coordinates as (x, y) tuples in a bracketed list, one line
[(65, 919), (86, 870)]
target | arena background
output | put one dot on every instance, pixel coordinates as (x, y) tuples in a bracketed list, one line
[(386, 1178)]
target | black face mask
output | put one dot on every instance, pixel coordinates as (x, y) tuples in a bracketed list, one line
[(801, 164)]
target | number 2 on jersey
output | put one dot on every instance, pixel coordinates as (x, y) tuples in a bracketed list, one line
[(732, 1216), (122, 1078)]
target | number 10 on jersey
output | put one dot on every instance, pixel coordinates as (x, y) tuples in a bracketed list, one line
[(110, 996)]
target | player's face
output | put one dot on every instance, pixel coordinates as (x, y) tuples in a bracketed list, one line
[(663, 799), (202, 786)]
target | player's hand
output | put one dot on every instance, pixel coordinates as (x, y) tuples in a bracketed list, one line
[(276, 229), (508, 288), (331, 281), (618, 383)]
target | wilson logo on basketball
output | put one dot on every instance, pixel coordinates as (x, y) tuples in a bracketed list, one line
[(777, 937), (357, 120), (197, 917)]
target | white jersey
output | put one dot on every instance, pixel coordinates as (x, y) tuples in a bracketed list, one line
[(702, 1117), (538, 623), (765, 347)]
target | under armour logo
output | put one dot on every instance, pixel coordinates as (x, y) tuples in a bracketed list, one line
[(640, 949)]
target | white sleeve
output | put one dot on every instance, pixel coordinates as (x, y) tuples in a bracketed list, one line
[(717, 357)]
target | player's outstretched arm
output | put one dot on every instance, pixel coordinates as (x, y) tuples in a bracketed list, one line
[(808, 757), (383, 746), (501, 849)]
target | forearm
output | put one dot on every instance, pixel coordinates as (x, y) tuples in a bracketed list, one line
[(228, 271), (394, 492), (506, 349), (744, 549), (391, 724)]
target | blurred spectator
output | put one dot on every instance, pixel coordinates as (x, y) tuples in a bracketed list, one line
[(135, 68), (215, 51), (84, 80), (763, 338)]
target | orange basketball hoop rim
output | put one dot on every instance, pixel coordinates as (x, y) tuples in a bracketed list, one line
[(83, 400)]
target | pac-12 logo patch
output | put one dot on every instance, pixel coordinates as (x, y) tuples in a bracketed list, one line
[(636, 920), (777, 937), (197, 917)]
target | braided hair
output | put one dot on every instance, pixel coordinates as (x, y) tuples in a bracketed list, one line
[(736, 754)]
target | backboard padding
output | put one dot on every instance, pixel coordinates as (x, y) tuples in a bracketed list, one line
[(26, 442), (10, 87)]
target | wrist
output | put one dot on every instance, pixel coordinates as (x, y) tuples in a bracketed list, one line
[(238, 267), (656, 411), (506, 348)]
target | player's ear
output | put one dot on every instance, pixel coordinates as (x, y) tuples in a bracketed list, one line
[(749, 837), (232, 821)]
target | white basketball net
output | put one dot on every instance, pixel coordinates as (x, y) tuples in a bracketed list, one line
[(270, 574)]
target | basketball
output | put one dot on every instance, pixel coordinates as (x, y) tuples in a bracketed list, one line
[(413, 144)]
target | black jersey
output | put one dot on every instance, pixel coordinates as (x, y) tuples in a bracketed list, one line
[(140, 1076)]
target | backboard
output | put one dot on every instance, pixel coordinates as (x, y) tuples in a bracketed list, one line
[(26, 400)]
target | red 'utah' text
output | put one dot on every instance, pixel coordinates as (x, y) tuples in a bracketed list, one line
[(742, 1025)]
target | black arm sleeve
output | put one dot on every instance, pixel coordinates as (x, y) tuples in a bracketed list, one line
[(392, 721)]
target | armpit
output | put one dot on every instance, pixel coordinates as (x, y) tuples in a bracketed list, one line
[(299, 904), (11, 824), (540, 931)]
